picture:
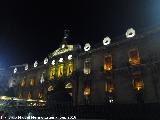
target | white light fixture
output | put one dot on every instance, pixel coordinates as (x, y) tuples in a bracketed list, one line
[(63, 45), (130, 33), (60, 59), (87, 47), (69, 57), (53, 62), (35, 64), (26, 67), (15, 70), (46, 60), (106, 41)]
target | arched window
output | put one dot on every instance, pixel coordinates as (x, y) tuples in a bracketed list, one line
[(23, 83), (20, 94), (29, 96), (52, 73), (60, 70), (40, 95), (32, 82), (69, 69)]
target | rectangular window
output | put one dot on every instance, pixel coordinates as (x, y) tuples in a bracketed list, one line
[(109, 87), (20, 94), (138, 85), (69, 69), (134, 58), (87, 66), (108, 63), (87, 91), (52, 73), (60, 70), (137, 82)]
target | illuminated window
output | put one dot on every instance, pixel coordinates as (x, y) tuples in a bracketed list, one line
[(137, 82), (60, 70), (108, 63), (138, 85), (109, 87), (52, 73), (87, 91), (29, 96), (20, 94), (32, 82), (134, 58), (87, 66), (69, 69), (23, 83), (68, 85), (40, 95)]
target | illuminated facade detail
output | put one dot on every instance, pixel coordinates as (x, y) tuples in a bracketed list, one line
[(32, 82), (109, 87), (106, 41), (50, 88), (26, 67), (138, 84), (15, 70), (53, 62), (69, 57), (60, 59), (61, 50), (87, 91), (68, 85), (108, 63), (23, 83), (130, 33), (45, 60), (87, 66), (134, 58), (63, 45), (35, 64), (40, 95), (69, 69), (20, 94), (52, 73), (29, 96), (60, 70), (87, 47)]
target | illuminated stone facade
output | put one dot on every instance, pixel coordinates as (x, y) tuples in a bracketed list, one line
[(126, 71)]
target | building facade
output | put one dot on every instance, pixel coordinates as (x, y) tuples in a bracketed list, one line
[(124, 71)]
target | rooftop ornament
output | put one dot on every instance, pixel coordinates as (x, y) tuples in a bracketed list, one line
[(130, 33), (46, 60), (35, 64), (53, 62), (87, 47), (15, 70), (69, 57), (26, 67), (60, 59), (106, 41)]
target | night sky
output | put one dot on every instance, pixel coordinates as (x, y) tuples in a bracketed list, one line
[(30, 30)]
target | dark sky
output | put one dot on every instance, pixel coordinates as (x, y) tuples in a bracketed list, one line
[(30, 30)]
